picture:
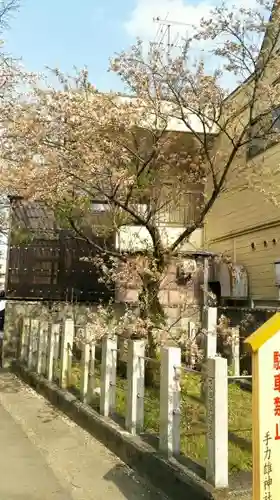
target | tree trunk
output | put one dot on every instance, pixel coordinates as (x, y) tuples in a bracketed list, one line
[(152, 311)]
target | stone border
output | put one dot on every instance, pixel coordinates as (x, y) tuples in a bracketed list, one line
[(169, 476)]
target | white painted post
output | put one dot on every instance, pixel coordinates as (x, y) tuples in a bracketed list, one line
[(53, 332), (135, 386), (211, 331), (108, 376), (236, 353), (170, 363), (67, 339), (217, 422)]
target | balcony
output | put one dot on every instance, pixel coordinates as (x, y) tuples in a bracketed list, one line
[(137, 238)]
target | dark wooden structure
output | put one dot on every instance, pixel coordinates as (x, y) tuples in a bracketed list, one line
[(46, 262)]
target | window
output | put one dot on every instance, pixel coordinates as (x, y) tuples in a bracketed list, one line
[(99, 207), (141, 209), (264, 132), (184, 211)]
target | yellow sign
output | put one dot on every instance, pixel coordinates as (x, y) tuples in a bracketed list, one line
[(264, 344)]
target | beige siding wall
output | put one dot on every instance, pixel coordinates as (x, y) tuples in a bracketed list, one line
[(259, 262), (255, 213), (243, 215), (242, 207)]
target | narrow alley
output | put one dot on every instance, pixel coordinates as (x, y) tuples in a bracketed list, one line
[(45, 456)]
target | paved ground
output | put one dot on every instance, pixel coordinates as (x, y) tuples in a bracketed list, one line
[(45, 456)]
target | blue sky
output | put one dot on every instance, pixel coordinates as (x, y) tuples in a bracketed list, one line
[(60, 33), (63, 33)]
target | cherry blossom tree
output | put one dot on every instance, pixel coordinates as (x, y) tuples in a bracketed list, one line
[(12, 81), (103, 161)]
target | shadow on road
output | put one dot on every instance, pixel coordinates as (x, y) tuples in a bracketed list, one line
[(131, 486)]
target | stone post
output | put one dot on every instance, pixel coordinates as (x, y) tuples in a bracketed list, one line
[(170, 363), (217, 422), (135, 386), (44, 346), (66, 344), (32, 342), (210, 350), (108, 376), (24, 340), (85, 361), (39, 350), (53, 333), (236, 353), (210, 325), (91, 374)]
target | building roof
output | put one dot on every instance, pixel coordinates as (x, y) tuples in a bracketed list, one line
[(33, 216), (175, 124)]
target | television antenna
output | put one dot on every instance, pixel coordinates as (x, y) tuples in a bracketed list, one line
[(167, 33)]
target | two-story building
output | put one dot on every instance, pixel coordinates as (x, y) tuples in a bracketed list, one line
[(244, 223)]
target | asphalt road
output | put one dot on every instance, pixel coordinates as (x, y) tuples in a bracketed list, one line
[(45, 456)]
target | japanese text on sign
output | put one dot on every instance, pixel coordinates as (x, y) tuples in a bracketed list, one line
[(276, 376), (267, 468)]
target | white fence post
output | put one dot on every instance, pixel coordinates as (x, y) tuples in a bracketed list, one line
[(53, 332), (67, 340), (217, 422), (135, 386), (108, 376), (236, 353), (170, 363), (210, 325)]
